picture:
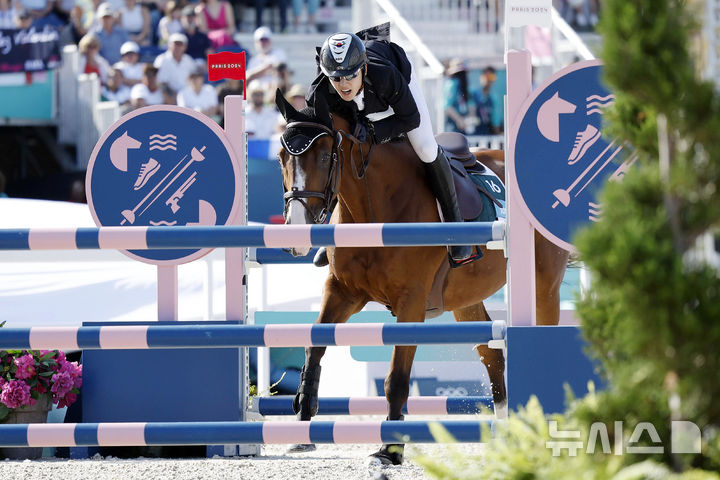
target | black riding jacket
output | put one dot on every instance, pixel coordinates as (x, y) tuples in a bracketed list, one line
[(385, 85)]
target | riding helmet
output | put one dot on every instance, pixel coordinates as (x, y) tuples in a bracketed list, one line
[(342, 54)]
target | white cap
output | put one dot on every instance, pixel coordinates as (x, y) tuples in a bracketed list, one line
[(129, 47), (104, 10), (177, 37), (262, 32), (255, 86)]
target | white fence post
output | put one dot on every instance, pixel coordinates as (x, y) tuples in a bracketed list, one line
[(88, 97), (68, 96)]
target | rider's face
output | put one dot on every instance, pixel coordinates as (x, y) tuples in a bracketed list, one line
[(347, 89)]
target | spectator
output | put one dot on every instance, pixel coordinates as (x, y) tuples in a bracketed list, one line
[(169, 95), (484, 103), (23, 20), (282, 9), (111, 36), (261, 121), (134, 18), (263, 65), (148, 92), (116, 90), (229, 87), (199, 95), (217, 20), (62, 9), (8, 13), (42, 13), (459, 105), (580, 14), (312, 7), (75, 29), (90, 59), (130, 65), (283, 79), (170, 23), (174, 66), (157, 11), (198, 43), (296, 96)]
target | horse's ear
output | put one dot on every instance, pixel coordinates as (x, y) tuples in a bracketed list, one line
[(285, 108)]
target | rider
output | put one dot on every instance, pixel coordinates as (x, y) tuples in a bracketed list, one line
[(376, 80)]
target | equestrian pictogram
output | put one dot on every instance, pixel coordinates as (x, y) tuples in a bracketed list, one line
[(163, 166), (562, 159)]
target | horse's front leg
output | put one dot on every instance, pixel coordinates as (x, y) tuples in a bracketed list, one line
[(397, 382), (337, 306)]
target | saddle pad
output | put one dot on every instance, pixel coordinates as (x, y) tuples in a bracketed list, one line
[(492, 209), (491, 184)]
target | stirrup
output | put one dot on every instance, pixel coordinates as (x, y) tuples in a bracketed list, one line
[(477, 255)]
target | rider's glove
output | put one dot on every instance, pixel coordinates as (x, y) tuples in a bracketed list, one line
[(361, 130)]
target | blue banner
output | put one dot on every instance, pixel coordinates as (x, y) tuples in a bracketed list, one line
[(29, 50)]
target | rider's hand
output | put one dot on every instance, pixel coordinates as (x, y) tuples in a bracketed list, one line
[(361, 130)]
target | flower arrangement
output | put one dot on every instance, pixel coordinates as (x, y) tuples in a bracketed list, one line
[(26, 375)]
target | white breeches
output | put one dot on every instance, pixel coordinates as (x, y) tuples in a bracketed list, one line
[(422, 138)]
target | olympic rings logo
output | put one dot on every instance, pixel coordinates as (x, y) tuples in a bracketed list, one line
[(451, 391)]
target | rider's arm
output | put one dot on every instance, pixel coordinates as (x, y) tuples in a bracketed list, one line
[(390, 85)]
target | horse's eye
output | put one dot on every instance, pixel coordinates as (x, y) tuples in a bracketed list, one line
[(325, 158)]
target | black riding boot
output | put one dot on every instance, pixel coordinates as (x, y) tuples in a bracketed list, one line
[(442, 185)]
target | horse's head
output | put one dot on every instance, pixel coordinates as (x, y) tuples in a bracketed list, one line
[(309, 162)]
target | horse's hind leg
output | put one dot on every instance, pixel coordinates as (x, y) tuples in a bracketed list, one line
[(337, 306), (493, 359)]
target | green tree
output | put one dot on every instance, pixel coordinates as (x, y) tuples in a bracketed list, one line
[(653, 317)]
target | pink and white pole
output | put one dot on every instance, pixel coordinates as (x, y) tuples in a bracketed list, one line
[(519, 234)]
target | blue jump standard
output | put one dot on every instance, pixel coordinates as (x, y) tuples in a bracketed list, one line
[(202, 336), (282, 405), (228, 433), (344, 235)]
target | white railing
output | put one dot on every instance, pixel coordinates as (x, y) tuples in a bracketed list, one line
[(562, 32), (67, 96), (82, 116), (477, 16)]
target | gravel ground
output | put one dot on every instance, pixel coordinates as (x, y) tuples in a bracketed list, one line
[(332, 462), (328, 462)]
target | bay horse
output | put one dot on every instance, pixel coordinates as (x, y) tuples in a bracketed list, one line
[(322, 165)]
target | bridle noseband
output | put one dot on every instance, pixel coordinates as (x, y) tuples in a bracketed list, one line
[(329, 194)]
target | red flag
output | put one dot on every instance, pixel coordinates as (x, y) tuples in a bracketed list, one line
[(227, 65)]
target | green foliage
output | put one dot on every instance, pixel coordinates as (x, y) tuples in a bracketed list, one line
[(519, 450)]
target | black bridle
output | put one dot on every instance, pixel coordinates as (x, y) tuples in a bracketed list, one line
[(329, 193)]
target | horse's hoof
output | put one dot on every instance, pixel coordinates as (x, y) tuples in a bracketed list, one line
[(302, 448), (389, 456), (321, 258)]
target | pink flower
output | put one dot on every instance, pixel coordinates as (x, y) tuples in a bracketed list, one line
[(15, 393), (25, 367), (67, 400), (41, 387), (2, 382), (63, 382)]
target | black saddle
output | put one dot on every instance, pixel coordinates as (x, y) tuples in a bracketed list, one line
[(462, 163)]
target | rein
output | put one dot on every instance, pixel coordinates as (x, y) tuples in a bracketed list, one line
[(330, 192)]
